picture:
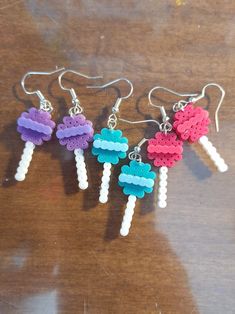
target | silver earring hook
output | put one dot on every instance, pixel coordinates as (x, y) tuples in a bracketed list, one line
[(161, 108), (44, 103), (119, 100), (135, 154), (163, 127), (77, 108), (140, 121), (202, 95)]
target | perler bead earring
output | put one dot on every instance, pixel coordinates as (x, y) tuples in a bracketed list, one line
[(191, 123), (35, 126), (136, 179), (165, 149), (76, 132), (109, 146)]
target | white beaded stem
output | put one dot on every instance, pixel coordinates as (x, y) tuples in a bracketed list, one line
[(24, 163), (213, 154), (104, 188), (129, 211), (81, 169), (162, 190)]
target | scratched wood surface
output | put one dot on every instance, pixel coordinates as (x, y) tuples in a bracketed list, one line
[(60, 250)]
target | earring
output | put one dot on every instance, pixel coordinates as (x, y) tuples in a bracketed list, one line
[(165, 149), (76, 132), (136, 179), (192, 123), (35, 126), (109, 146)]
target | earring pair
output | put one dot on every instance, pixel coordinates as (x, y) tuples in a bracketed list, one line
[(166, 148), (36, 126)]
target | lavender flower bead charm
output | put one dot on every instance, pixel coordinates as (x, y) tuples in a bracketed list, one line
[(75, 133), (35, 127)]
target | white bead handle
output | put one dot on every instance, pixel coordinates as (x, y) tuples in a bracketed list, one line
[(24, 163), (129, 211), (162, 190), (81, 169), (104, 189), (213, 154)]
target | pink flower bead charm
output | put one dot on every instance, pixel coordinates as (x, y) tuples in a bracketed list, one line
[(191, 123), (165, 149)]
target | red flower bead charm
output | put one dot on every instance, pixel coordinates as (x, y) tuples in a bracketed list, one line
[(191, 123), (165, 149)]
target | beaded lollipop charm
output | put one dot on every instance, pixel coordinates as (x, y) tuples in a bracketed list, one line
[(110, 146), (136, 179), (76, 132), (191, 124), (165, 149), (35, 126)]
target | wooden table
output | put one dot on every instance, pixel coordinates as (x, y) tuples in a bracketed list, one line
[(60, 250)]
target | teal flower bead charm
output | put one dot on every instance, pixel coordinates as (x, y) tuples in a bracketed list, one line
[(137, 179), (109, 146)]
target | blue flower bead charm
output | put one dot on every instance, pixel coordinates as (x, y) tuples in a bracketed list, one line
[(109, 146), (136, 180)]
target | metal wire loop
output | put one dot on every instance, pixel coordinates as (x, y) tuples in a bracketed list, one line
[(202, 95), (180, 105), (112, 121), (135, 156), (117, 104), (165, 127), (44, 103), (77, 108)]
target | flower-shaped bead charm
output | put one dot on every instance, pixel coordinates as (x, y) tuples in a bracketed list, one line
[(137, 179), (110, 146), (191, 123), (75, 132), (35, 126), (165, 149)]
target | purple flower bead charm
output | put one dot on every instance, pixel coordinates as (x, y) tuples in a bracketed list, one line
[(75, 132), (35, 126)]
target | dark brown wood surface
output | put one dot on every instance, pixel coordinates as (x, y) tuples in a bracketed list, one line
[(60, 250)]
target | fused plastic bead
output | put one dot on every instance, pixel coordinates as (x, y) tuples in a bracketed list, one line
[(81, 169), (24, 163), (213, 154), (110, 146), (191, 123), (104, 188), (35, 126), (137, 179), (162, 189), (75, 132), (165, 149), (127, 218)]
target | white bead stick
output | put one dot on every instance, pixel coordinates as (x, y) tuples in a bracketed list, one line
[(213, 154), (162, 190), (24, 163), (104, 189), (81, 169), (129, 211)]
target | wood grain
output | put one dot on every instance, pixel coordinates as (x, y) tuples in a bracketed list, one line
[(60, 251)]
